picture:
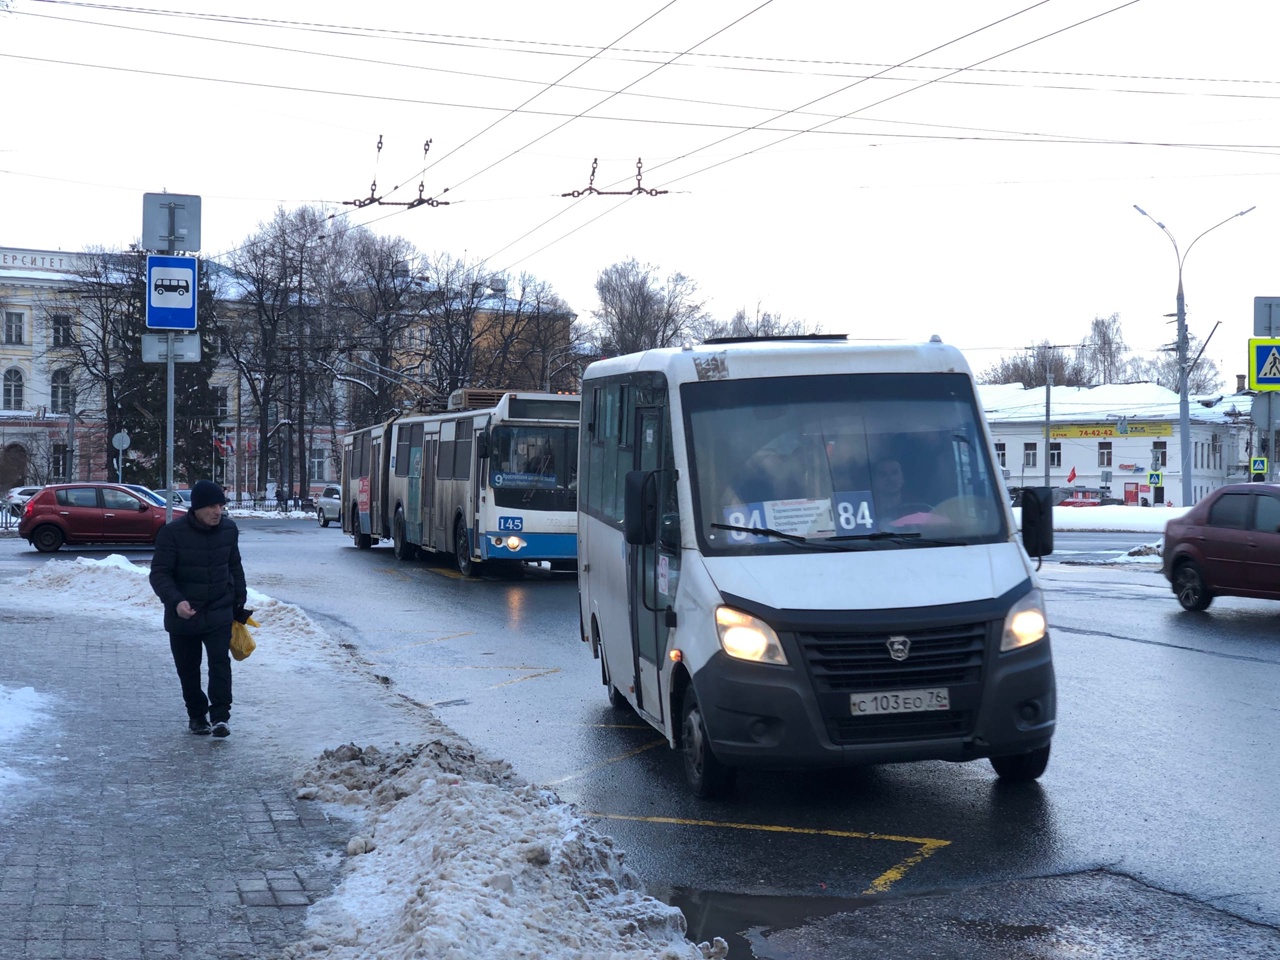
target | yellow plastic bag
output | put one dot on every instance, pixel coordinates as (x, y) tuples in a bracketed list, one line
[(241, 639)]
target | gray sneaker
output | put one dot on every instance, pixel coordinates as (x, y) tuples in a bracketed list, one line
[(220, 729)]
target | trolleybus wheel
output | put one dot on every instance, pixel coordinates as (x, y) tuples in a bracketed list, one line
[(462, 549), (403, 549), (363, 541)]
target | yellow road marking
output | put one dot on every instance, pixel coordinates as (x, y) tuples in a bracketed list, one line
[(531, 676), (927, 847), (604, 763)]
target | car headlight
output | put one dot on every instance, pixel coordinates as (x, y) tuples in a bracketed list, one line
[(1025, 623), (745, 637)]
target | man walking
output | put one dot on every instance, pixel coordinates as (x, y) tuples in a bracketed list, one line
[(197, 574)]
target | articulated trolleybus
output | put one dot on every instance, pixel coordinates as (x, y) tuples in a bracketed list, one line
[(490, 484), (799, 552)]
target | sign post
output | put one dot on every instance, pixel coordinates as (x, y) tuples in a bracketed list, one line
[(121, 442), (170, 222)]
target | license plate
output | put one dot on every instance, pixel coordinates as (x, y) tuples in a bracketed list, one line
[(900, 701)]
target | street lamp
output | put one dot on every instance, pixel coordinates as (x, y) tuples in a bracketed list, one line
[(1184, 403)]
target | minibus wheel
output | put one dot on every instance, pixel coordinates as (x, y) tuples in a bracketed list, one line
[(1022, 767), (707, 776)]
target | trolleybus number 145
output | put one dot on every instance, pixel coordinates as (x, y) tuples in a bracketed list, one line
[(900, 701)]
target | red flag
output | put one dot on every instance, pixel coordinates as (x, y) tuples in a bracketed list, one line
[(1071, 477)]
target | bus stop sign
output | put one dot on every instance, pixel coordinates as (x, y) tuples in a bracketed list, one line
[(171, 293)]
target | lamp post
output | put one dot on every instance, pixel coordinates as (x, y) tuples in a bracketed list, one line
[(1184, 402)]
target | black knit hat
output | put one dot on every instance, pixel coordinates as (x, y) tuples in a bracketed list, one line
[(205, 494)]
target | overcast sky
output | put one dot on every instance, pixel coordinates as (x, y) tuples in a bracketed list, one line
[(887, 170)]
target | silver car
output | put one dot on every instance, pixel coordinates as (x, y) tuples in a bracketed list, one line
[(329, 505), (17, 498)]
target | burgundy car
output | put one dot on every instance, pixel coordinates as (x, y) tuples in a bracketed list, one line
[(89, 513), (1228, 544)]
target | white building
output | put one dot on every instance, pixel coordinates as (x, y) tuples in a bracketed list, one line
[(1110, 437)]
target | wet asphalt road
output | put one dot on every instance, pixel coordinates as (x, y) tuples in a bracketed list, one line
[(1160, 797)]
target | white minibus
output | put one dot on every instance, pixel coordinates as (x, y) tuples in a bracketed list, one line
[(799, 552)]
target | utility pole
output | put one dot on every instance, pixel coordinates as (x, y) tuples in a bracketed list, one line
[(1048, 349)]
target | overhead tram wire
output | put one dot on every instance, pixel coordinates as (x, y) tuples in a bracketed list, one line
[(516, 45)]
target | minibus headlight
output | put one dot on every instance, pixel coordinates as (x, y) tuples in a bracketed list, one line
[(745, 637), (1025, 623)]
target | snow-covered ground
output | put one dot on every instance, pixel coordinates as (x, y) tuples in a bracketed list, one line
[(452, 855)]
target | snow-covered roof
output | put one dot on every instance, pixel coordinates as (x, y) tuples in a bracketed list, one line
[(1013, 403)]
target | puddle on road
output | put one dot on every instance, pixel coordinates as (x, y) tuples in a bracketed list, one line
[(742, 920)]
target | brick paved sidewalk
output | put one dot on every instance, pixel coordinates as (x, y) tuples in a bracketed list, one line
[(131, 839)]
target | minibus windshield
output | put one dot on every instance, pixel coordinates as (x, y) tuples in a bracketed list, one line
[(534, 466), (850, 461)]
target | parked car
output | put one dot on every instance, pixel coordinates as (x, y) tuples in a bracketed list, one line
[(329, 505), (1079, 502), (90, 512), (181, 497), (1228, 544), (146, 492), (17, 497)]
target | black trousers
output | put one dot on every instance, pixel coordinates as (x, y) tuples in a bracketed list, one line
[(186, 648)]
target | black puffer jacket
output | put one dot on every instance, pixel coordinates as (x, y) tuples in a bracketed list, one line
[(201, 565)]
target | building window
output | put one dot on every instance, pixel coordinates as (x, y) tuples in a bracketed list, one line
[(1104, 453), (1028, 454), (13, 327), (220, 408), (61, 330), (1000, 454), (60, 392), (1160, 452), (1055, 454), (13, 390), (60, 462), (319, 462)]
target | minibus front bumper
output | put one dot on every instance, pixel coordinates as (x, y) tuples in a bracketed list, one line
[(801, 715)]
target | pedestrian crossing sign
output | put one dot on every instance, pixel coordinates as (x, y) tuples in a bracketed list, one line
[(1258, 465), (1264, 364), (1155, 479)]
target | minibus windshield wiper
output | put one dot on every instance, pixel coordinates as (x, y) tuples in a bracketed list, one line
[(905, 537), (770, 532)]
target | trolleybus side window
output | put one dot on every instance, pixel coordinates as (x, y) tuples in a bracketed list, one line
[(462, 451)]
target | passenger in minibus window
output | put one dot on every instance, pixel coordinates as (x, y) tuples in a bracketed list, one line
[(888, 488)]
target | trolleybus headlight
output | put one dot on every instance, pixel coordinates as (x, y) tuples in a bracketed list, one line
[(1025, 622), (511, 543), (747, 638)]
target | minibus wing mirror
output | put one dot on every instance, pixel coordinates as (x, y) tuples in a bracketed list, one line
[(640, 508), (1037, 520)]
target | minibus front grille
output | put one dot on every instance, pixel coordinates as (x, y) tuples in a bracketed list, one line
[(861, 662), (896, 727)]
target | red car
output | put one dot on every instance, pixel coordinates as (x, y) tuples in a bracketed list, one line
[(89, 512), (1228, 544)]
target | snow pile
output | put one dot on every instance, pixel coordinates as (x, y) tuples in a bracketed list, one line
[(466, 861), (20, 708)]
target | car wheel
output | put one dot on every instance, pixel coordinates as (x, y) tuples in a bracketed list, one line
[(707, 776), (1022, 767), (1188, 585), (321, 517), (462, 549), (363, 541), (400, 545), (47, 538)]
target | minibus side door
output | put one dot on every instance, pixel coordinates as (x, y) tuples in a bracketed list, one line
[(650, 566)]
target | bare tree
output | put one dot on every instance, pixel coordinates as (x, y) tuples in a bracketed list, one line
[(762, 324), (1103, 354), (524, 340), (1205, 377), (1029, 369), (639, 312)]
